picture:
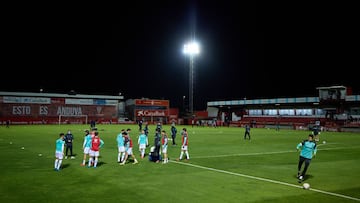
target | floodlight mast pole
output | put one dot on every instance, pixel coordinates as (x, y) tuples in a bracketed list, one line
[(191, 49), (191, 84)]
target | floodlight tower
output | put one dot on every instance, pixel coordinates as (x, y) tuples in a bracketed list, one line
[(191, 49)]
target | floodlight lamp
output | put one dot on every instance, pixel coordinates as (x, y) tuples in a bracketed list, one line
[(191, 48)]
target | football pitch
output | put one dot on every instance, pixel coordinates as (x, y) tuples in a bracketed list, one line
[(223, 167)]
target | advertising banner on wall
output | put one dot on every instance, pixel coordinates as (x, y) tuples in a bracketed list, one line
[(42, 110), (151, 102), (151, 113)]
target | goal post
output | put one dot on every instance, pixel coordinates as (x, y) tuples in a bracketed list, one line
[(73, 119)]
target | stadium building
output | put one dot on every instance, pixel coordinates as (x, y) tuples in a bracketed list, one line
[(335, 109), (49, 108), (53, 108), (151, 111)]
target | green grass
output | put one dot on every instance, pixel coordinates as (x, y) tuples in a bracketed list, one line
[(223, 167)]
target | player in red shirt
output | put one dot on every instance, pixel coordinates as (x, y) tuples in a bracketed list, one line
[(128, 149), (184, 145), (96, 144)]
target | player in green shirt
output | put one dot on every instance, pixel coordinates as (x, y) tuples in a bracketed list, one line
[(59, 151), (308, 151)]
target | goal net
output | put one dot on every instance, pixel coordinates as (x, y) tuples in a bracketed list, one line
[(73, 119)]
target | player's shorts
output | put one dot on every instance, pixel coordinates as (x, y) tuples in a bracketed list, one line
[(164, 149), (94, 153), (184, 148), (142, 146), (129, 151), (86, 150), (121, 149), (59, 155)]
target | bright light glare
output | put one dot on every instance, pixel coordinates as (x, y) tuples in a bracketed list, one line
[(191, 48)]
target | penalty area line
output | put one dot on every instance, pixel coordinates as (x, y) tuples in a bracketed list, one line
[(266, 180)]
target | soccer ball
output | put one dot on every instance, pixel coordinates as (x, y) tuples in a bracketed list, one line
[(324, 142), (306, 186)]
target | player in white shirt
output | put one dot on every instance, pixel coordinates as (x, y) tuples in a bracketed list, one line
[(164, 146), (121, 146), (86, 146), (143, 142), (59, 151)]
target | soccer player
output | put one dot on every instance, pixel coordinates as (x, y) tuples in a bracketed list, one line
[(140, 122), (121, 146), (96, 144), (92, 124), (128, 131), (157, 144), (143, 142), (247, 132), (308, 151), (59, 151), (69, 138), (86, 146), (129, 150), (146, 129), (184, 145), (173, 133), (159, 126), (164, 142), (152, 156), (316, 133)]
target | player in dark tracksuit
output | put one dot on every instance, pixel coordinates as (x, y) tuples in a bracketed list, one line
[(247, 132), (69, 144), (173, 133), (316, 133), (157, 142), (146, 129)]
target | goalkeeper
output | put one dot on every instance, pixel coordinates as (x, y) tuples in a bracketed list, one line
[(308, 151)]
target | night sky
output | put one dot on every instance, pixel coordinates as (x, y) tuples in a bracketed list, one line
[(248, 49)]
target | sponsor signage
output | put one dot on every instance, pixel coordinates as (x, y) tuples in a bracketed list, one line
[(152, 102), (79, 101), (36, 110), (57, 100), (28, 100), (150, 113)]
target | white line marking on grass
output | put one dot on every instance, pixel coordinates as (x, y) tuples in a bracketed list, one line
[(247, 154), (266, 180), (269, 153)]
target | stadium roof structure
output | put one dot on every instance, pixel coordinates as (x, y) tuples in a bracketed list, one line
[(279, 102), (331, 87), (275, 101), (79, 96), (303, 101), (265, 102)]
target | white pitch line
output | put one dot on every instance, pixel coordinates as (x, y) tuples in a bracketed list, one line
[(267, 153), (266, 180), (246, 154)]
